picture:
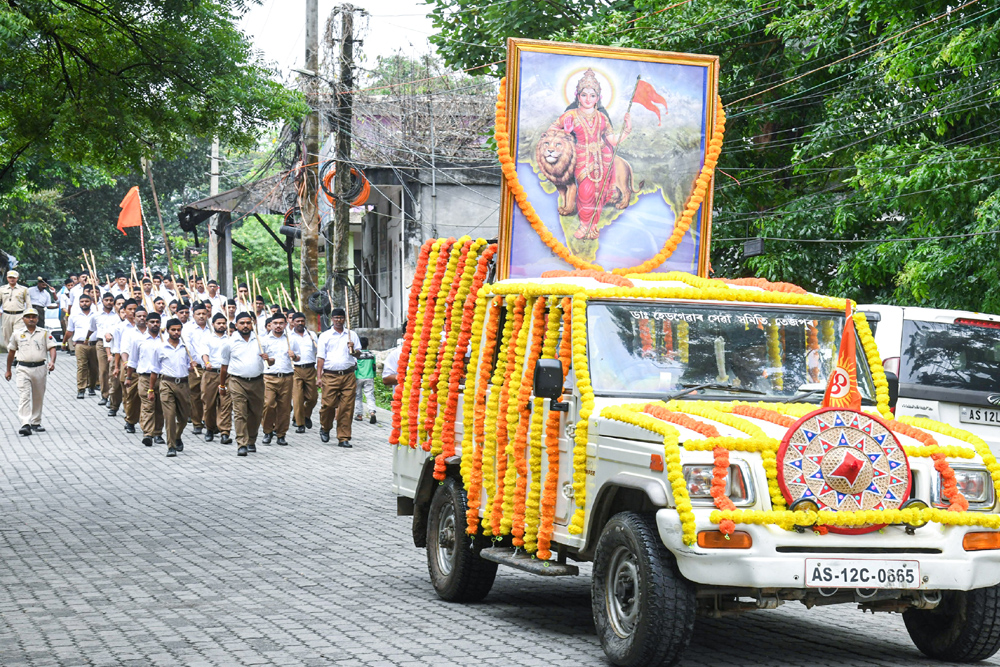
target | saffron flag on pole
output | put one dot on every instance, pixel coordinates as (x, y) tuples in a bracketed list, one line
[(647, 96), (131, 215), (842, 388)]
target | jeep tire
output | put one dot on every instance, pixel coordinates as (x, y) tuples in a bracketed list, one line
[(644, 610), (457, 572), (964, 627)]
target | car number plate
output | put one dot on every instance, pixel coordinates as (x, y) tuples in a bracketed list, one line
[(971, 415), (862, 573)]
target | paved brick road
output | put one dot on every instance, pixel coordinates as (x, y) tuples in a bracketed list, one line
[(112, 554)]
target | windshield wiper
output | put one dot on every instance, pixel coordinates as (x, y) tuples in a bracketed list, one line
[(691, 388), (804, 394)]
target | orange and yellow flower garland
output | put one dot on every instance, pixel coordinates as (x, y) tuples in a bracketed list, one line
[(949, 484), (513, 452), (599, 276), (404, 352), (681, 224), (582, 372), (491, 428), (515, 351), (474, 489), (548, 508)]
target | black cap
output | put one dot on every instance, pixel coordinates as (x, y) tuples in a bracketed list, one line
[(218, 316), (174, 322), (338, 312), (153, 315)]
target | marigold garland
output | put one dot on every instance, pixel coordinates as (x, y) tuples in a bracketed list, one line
[(790, 288), (491, 430), (476, 484), (552, 423), (404, 352), (774, 356), (681, 223), (582, 372), (599, 276), (502, 426), (683, 344), (763, 414), (977, 443), (516, 462), (528, 412), (949, 484)]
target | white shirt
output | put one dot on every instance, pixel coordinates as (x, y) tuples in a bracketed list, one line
[(391, 362), (80, 324), (244, 356), (118, 291), (140, 357), (304, 346), (277, 349), (195, 336), (117, 333), (40, 297), (147, 299), (217, 349), (171, 361), (262, 320), (105, 322), (200, 296), (218, 303), (65, 300), (129, 335), (332, 348)]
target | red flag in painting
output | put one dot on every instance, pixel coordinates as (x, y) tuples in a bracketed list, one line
[(647, 96), (131, 215), (842, 388)]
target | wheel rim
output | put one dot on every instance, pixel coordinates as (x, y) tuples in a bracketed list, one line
[(446, 539), (622, 590)]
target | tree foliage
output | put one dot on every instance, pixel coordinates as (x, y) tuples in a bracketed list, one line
[(852, 123)]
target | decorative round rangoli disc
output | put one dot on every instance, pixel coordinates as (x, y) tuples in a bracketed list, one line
[(844, 461)]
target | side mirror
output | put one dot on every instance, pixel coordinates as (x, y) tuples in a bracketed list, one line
[(893, 381), (548, 381)]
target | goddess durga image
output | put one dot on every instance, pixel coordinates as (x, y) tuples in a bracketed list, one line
[(577, 154)]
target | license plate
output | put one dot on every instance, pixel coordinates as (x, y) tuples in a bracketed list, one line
[(862, 573), (971, 415)]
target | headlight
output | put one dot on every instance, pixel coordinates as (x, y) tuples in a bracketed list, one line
[(975, 484), (698, 480)]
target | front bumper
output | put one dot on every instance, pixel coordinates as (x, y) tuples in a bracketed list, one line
[(777, 558)]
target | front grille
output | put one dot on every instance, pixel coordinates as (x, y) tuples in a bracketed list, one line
[(857, 550)]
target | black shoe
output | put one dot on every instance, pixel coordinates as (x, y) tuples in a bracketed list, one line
[(129, 428), (309, 423), (344, 443), (324, 436), (281, 440), (300, 429), (242, 451), (267, 438), (179, 446), (209, 436), (79, 394), (25, 430), (91, 392), (112, 413), (159, 440), (171, 452), (373, 420), (38, 428), (225, 439), (103, 401), (197, 430), (148, 441), (252, 448)]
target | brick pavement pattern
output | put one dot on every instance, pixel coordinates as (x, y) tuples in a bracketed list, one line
[(112, 554)]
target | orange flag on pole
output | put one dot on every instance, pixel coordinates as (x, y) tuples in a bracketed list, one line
[(646, 95), (131, 215), (842, 388)]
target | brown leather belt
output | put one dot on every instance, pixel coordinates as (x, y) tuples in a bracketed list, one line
[(344, 372)]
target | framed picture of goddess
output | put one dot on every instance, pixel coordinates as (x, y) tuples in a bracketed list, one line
[(608, 151)]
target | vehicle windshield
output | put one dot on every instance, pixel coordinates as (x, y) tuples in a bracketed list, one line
[(750, 352), (950, 356)]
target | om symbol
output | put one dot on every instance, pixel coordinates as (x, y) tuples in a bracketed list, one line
[(840, 383)]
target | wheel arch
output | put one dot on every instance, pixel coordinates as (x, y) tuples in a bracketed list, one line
[(620, 493), (425, 491)]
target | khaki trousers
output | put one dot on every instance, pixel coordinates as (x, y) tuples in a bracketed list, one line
[(31, 389), (248, 403), (197, 407), (338, 401), (102, 368), (175, 397), (277, 404), (130, 398), (86, 366), (218, 415), (304, 393), (67, 340), (7, 327), (151, 413), (115, 392)]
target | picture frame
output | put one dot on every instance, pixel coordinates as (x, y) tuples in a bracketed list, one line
[(571, 146)]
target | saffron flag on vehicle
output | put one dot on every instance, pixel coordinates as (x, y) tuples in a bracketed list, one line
[(131, 215), (842, 388), (647, 96)]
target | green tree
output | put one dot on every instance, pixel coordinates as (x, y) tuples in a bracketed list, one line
[(263, 256), (101, 83)]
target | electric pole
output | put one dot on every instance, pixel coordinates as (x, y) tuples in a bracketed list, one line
[(213, 237), (309, 200), (337, 255)]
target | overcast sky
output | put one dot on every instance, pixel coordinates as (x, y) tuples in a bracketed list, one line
[(278, 29)]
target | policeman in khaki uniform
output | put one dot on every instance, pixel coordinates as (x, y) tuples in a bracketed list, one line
[(15, 300), (29, 346)]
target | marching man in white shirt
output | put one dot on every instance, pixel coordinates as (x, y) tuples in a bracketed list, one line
[(335, 361), (214, 350), (172, 361), (215, 298), (140, 363), (194, 335), (242, 376), (304, 381), (277, 381), (105, 321), (81, 328)]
